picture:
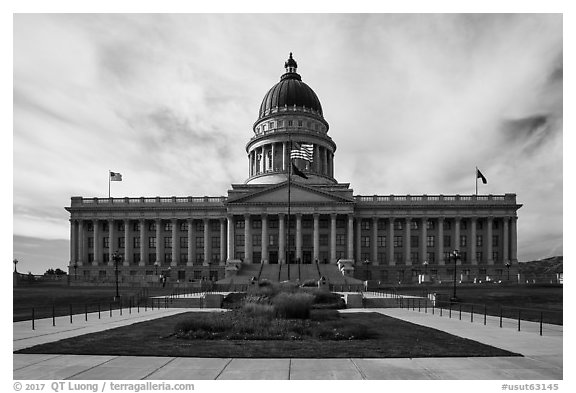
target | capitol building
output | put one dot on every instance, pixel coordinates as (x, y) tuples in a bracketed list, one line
[(270, 222)]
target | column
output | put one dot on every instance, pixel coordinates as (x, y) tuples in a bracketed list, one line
[(143, 243), (407, 243), (73, 242), (316, 252), (350, 237), (317, 158), (81, 242), (332, 238), (128, 250), (299, 237), (514, 240), (391, 261), (325, 162), (281, 239), (440, 242), (247, 239), (284, 156), (358, 240), (375, 261), (191, 257), (424, 240), (473, 260), (175, 245), (97, 245), (222, 241), (159, 242), (207, 244), (112, 245), (230, 251), (265, 238), (489, 244), (273, 156), (457, 233), (505, 229)]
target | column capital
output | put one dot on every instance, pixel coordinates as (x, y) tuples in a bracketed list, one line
[(375, 219), (247, 215), (281, 216), (205, 219), (222, 219), (333, 215), (316, 215), (263, 216)]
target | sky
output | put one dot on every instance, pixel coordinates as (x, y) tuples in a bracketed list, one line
[(415, 103)]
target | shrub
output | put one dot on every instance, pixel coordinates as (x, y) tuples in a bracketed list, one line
[(259, 310), (309, 283), (293, 305), (324, 315)]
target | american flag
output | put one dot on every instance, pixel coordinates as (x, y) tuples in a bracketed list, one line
[(304, 151), (115, 176)]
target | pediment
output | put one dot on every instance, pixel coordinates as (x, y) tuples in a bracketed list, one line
[(299, 193)]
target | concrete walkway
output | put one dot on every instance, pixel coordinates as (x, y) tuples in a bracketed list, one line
[(542, 355)]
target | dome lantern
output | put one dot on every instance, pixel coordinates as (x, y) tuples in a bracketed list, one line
[(290, 65)]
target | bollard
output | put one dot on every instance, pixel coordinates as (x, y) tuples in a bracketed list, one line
[(33, 327), (440, 310), (519, 311), (484, 315), (500, 316), (70, 313), (98, 310), (426, 307), (418, 305), (130, 306), (472, 313), (460, 312), (541, 317), (450, 311), (53, 316), (110, 304), (120, 306), (85, 312)]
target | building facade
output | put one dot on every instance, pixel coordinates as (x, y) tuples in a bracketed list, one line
[(270, 220)]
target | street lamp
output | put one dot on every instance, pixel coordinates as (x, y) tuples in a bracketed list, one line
[(156, 267), (425, 263), (15, 262), (456, 256), (75, 268), (508, 268), (116, 257)]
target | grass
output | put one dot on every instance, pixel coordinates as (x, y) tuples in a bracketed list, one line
[(389, 338), (43, 297)]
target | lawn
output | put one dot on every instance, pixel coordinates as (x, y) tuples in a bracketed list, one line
[(43, 297), (393, 338)]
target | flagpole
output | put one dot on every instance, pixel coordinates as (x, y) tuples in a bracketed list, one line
[(476, 176), (109, 171), (289, 181)]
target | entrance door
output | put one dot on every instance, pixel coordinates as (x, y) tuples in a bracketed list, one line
[(273, 255)]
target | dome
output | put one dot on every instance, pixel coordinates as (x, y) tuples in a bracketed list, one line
[(290, 92)]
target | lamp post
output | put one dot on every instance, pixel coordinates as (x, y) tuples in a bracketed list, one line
[(156, 267), (456, 256), (75, 268), (425, 263), (116, 257), (508, 269), (15, 262)]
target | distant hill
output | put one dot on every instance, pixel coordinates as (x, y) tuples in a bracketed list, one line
[(542, 267)]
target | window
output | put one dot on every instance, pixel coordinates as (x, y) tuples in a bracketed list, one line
[(381, 241), (495, 224), (90, 242), (447, 256), (464, 225), (197, 275), (430, 241), (414, 257), (273, 240), (257, 240), (183, 258), (430, 257), (306, 240), (215, 241), (200, 257), (316, 126), (365, 225), (152, 226), (398, 225), (479, 225), (200, 226), (464, 256), (398, 257), (478, 240), (280, 123), (106, 257), (479, 256), (167, 242), (414, 240), (307, 223), (340, 255), (495, 256), (106, 242), (271, 124), (120, 227), (447, 241), (299, 123), (495, 241), (414, 224), (382, 257), (167, 226), (136, 227), (365, 241), (365, 256), (273, 224), (430, 224), (136, 257), (324, 223), (308, 124), (183, 242), (105, 226), (168, 257), (397, 241), (136, 242), (215, 257), (183, 226), (340, 240), (181, 275), (239, 224), (152, 242), (340, 224), (90, 227), (199, 242), (239, 240), (381, 225), (323, 239), (463, 241), (256, 224), (121, 242), (447, 225), (290, 123), (151, 258), (90, 257)]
